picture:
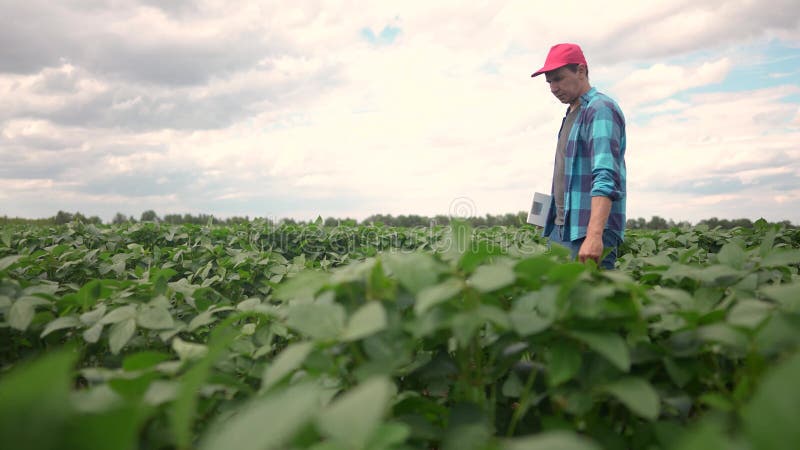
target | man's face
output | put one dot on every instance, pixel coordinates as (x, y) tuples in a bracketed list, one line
[(565, 84)]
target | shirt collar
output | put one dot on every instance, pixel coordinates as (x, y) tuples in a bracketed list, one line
[(585, 98)]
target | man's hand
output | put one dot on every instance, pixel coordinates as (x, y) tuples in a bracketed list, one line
[(592, 248)]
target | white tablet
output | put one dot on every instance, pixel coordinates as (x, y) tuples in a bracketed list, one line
[(540, 208)]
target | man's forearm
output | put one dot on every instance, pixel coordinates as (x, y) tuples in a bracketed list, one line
[(601, 208)]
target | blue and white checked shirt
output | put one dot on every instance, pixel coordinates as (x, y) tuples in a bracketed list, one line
[(594, 166)]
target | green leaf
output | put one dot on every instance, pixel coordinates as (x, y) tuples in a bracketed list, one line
[(188, 351), (567, 272), (161, 391), (723, 333), (92, 317), (434, 295), (184, 408), (118, 262), (286, 362), (250, 304), (264, 423), (47, 288), (160, 279), (708, 434), (677, 271), (356, 271), (609, 345), (551, 440), (23, 310), (749, 313), (414, 271), (767, 242), (95, 399), (579, 402), (731, 255), (352, 418), (532, 270), (638, 395), (144, 360), (679, 375), (781, 257), (564, 362), (778, 333), (492, 277), (717, 401), (456, 241), (717, 274), (467, 428), (60, 324), (120, 314), (369, 319), (513, 386), (479, 252), (389, 436), (770, 419), (534, 312), (303, 287), (6, 238), (120, 334), (318, 320), (788, 295), (133, 386), (92, 335), (494, 315), (8, 261), (154, 318), (465, 325), (206, 317), (34, 402), (91, 292)]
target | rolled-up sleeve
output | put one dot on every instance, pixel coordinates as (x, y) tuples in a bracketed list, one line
[(605, 147)]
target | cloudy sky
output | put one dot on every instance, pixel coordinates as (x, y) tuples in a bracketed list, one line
[(349, 108)]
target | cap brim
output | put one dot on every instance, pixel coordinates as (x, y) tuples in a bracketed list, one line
[(547, 69)]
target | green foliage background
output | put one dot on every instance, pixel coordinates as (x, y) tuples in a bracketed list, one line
[(255, 335)]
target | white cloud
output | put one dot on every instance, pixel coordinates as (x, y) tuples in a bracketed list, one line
[(284, 107), (717, 158), (661, 81), (669, 105)]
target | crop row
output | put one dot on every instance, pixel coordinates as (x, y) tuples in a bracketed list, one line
[(254, 336)]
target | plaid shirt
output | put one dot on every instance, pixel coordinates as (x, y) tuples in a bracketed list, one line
[(594, 166)]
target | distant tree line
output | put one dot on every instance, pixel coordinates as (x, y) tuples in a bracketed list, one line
[(178, 219), (63, 217), (659, 223), (412, 220)]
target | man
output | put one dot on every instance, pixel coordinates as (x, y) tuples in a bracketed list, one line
[(587, 211)]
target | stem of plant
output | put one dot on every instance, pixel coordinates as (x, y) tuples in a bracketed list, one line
[(523, 404)]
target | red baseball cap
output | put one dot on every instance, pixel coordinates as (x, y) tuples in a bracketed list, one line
[(560, 55)]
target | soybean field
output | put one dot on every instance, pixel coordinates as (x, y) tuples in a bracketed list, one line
[(263, 336)]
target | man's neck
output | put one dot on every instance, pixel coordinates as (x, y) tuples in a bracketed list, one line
[(577, 102), (574, 105)]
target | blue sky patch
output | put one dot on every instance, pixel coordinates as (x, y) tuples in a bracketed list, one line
[(385, 37), (758, 67), (755, 66)]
